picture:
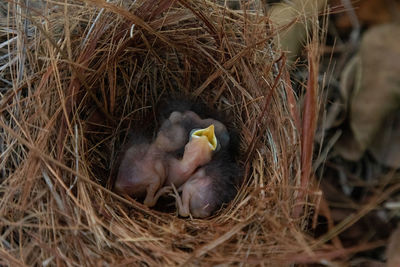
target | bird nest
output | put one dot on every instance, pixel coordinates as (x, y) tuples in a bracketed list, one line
[(86, 72)]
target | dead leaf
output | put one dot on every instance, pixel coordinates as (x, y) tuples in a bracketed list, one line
[(292, 17), (380, 83), (378, 94), (386, 146), (369, 12)]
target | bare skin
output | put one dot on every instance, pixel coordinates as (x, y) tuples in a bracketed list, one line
[(173, 134), (210, 186), (197, 153), (146, 167), (143, 169), (220, 129), (197, 197), (142, 172)]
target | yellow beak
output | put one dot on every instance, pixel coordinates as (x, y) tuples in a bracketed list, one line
[(209, 134)]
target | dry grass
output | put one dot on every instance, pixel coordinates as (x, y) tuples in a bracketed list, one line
[(79, 74)]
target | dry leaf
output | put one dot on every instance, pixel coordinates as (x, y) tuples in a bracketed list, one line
[(377, 95), (386, 146), (369, 12), (292, 17)]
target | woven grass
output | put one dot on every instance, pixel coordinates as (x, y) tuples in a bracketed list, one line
[(84, 72)]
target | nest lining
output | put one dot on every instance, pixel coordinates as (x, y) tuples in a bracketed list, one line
[(86, 85)]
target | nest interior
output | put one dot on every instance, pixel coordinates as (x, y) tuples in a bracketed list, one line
[(91, 70)]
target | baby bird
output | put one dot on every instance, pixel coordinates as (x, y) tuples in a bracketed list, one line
[(142, 171), (197, 152), (146, 165), (186, 142), (209, 188), (175, 132)]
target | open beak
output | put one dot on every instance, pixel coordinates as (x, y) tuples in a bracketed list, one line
[(206, 133)]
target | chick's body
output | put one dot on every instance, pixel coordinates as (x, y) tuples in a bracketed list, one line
[(209, 188), (196, 153), (142, 171), (146, 166), (215, 182), (205, 177)]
